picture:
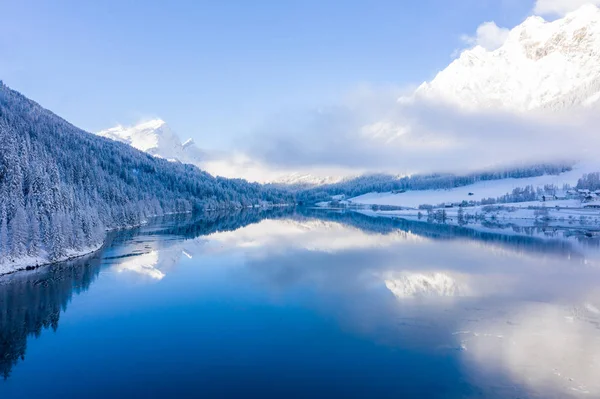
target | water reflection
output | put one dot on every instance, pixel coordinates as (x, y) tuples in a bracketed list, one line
[(542, 240), (528, 322), (155, 250), (513, 312), (553, 349), (31, 302), (411, 284)]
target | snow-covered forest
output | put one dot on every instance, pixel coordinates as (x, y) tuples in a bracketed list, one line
[(387, 183), (61, 187), (589, 181)]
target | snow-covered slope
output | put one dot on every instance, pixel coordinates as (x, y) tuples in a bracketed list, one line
[(478, 191), (156, 137), (541, 65), (475, 192)]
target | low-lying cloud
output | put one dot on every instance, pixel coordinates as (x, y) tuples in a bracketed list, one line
[(373, 131), (417, 136)]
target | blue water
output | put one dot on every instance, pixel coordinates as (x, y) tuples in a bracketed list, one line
[(289, 304)]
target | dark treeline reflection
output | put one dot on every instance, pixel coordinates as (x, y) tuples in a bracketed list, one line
[(538, 239), (194, 225), (31, 302)]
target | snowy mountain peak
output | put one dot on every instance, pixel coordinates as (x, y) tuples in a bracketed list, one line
[(541, 65), (156, 138)]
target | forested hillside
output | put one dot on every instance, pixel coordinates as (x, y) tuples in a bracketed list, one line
[(61, 187), (385, 183)]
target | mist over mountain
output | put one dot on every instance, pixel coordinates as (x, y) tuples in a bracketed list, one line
[(488, 110), (531, 100)]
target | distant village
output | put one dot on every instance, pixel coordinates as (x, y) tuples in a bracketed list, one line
[(588, 199)]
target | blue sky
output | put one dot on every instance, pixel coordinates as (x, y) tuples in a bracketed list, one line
[(216, 69)]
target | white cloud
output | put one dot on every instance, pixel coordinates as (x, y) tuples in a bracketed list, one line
[(488, 35), (240, 164), (375, 133), (560, 7), (417, 137)]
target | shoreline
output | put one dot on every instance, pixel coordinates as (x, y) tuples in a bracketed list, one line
[(30, 263), (29, 266)]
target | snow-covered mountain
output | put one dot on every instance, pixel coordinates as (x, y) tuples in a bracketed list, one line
[(541, 65), (156, 138)]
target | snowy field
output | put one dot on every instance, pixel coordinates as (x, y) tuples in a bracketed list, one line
[(566, 212), (479, 191)]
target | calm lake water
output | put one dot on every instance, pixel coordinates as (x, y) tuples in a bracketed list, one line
[(309, 304)]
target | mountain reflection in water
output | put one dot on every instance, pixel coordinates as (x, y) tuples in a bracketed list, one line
[(507, 313), (31, 302)]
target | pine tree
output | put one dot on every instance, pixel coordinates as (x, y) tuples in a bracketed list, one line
[(3, 235), (57, 247), (18, 233), (35, 237)]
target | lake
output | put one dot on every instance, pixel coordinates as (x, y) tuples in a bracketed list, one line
[(305, 304)]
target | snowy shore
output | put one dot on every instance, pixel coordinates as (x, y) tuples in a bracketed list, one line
[(549, 199), (564, 212), (10, 266), (462, 206)]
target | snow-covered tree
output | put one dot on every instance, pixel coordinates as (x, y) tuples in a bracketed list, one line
[(61, 187), (3, 234), (18, 233)]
